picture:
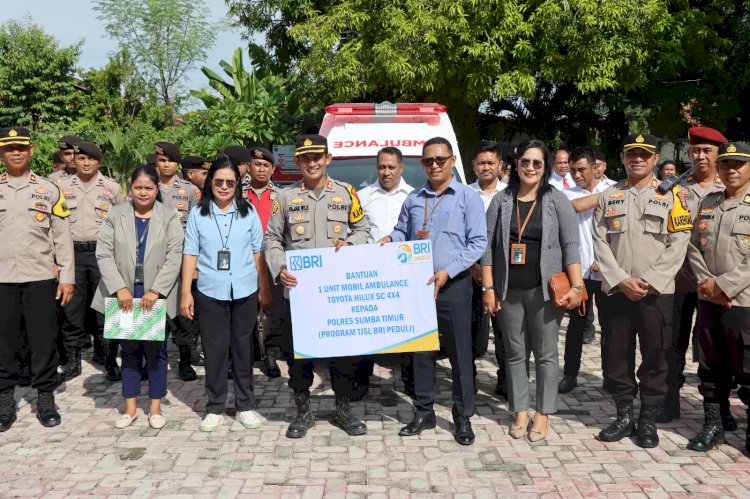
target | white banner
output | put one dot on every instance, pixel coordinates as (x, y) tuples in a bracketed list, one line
[(363, 300)]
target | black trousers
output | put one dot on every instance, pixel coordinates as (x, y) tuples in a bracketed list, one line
[(36, 302), (685, 305), (454, 323), (301, 371), (186, 330), (723, 338), (276, 315), (650, 319), (577, 326), (75, 312), (224, 324)]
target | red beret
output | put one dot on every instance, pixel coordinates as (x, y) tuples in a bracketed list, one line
[(705, 135)]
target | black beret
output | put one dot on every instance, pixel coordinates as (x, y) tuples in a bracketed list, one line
[(311, 143), (88, 148), (738, 151), (644, 141), (195, 163), (15, 135), (169, 150), (151, 159), (237, 154), (56, 158), (261, 153), (68, 141)]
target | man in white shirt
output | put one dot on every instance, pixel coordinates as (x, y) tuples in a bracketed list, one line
[(382, 203), (582, 168), (560, 178), (600, 167), (382, 200), (487, 163)]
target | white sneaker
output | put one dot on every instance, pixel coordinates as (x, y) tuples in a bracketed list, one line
[(211, 422), (249, 419)]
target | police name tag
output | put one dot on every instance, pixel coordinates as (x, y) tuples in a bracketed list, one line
[(363, 300)]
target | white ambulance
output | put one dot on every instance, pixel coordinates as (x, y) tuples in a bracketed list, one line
[(356, 132)]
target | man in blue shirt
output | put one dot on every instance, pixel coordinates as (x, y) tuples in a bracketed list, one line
[(451, 215)]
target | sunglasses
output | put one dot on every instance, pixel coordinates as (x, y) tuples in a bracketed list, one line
[(440, 160), (218, 182), (526, 162)]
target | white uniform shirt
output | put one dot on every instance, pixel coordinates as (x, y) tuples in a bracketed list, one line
[(607, 181), (586, 246), (556, 181), (487, 198), (382, 208)]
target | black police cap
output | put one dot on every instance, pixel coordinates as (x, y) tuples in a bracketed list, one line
[(195, 163), (738, 151), (644, 141), (169, 150), (89, 148), (15, 135), (68, 142), (311, 143), (261, 153)]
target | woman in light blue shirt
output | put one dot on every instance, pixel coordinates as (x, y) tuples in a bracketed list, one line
[(224, 243)]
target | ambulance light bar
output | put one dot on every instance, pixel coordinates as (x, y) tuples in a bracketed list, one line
[(384, 109)]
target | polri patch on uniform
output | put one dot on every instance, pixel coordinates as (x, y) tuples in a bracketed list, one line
[(337, 199), (41, 190), (744, 241), (299, 230), (275, 207), (297, 200), (617, 194), (39, 217)]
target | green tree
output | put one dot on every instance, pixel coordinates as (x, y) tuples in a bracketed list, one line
[(36, 77), (166, 38)]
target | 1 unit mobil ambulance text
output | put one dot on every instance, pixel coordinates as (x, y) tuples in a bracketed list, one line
[(356, 132)]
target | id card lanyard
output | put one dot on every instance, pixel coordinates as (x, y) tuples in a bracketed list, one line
[(518, 250), (223, 257), (424, 233), (139, 264)]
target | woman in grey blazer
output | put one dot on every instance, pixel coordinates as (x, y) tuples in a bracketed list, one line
[(532, 234), (141, 234)]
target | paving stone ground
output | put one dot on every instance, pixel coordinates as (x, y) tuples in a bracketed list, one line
[(86, 456)]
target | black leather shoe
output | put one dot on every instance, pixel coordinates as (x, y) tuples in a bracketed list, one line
[(72, 368), (712, 433), (45, 409), (186, 371), (464, 434), (304, 419), (196, 358), (7, 409), (646, 435), (344, 419), (418, 425), (567, 383), (622, 426)]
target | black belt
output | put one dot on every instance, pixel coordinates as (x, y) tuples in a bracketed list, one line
[(84, 246), (461, 275)]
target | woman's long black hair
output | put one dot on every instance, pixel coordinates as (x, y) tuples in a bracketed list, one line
[(207, 197), (150, 172), (515, 180)]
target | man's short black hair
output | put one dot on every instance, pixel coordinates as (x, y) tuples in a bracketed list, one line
[(580, 153), (599, 155), (487, 146), (437, 140), (391, 150)]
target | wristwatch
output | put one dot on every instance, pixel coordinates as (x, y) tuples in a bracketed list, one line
[(487, 288)]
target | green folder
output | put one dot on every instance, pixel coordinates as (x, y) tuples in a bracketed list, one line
[(137, 325)]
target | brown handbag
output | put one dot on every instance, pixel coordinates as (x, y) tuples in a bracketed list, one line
[(559, 284)]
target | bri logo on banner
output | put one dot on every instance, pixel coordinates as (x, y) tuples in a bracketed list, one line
[(419, 253), (305, 262)]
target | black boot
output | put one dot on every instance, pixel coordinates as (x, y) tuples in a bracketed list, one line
[(622, 426), (344, 419), (304, 419), (7, 409), (727, 420), (187, 373), (646, 436), (712, 433), (73, 367), (196, 357), (45, 409), (273, 354), (110, 363)]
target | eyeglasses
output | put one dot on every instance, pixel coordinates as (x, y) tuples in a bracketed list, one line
[(440, 160), (526, 162), (231, 184)]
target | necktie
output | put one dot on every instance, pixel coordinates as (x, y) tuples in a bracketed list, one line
[(565, 183)]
